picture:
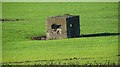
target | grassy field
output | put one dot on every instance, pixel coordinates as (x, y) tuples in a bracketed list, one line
[(95, 18)]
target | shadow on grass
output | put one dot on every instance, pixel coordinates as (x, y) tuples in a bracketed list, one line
[(82, 35), (99, 34)]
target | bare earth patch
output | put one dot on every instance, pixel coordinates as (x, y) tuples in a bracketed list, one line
[(39, 38), (6, 19)]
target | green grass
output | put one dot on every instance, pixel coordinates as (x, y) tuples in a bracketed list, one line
[(96, 47), (94, 18)]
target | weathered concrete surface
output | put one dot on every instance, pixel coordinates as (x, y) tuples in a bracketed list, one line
[(66, 26)]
